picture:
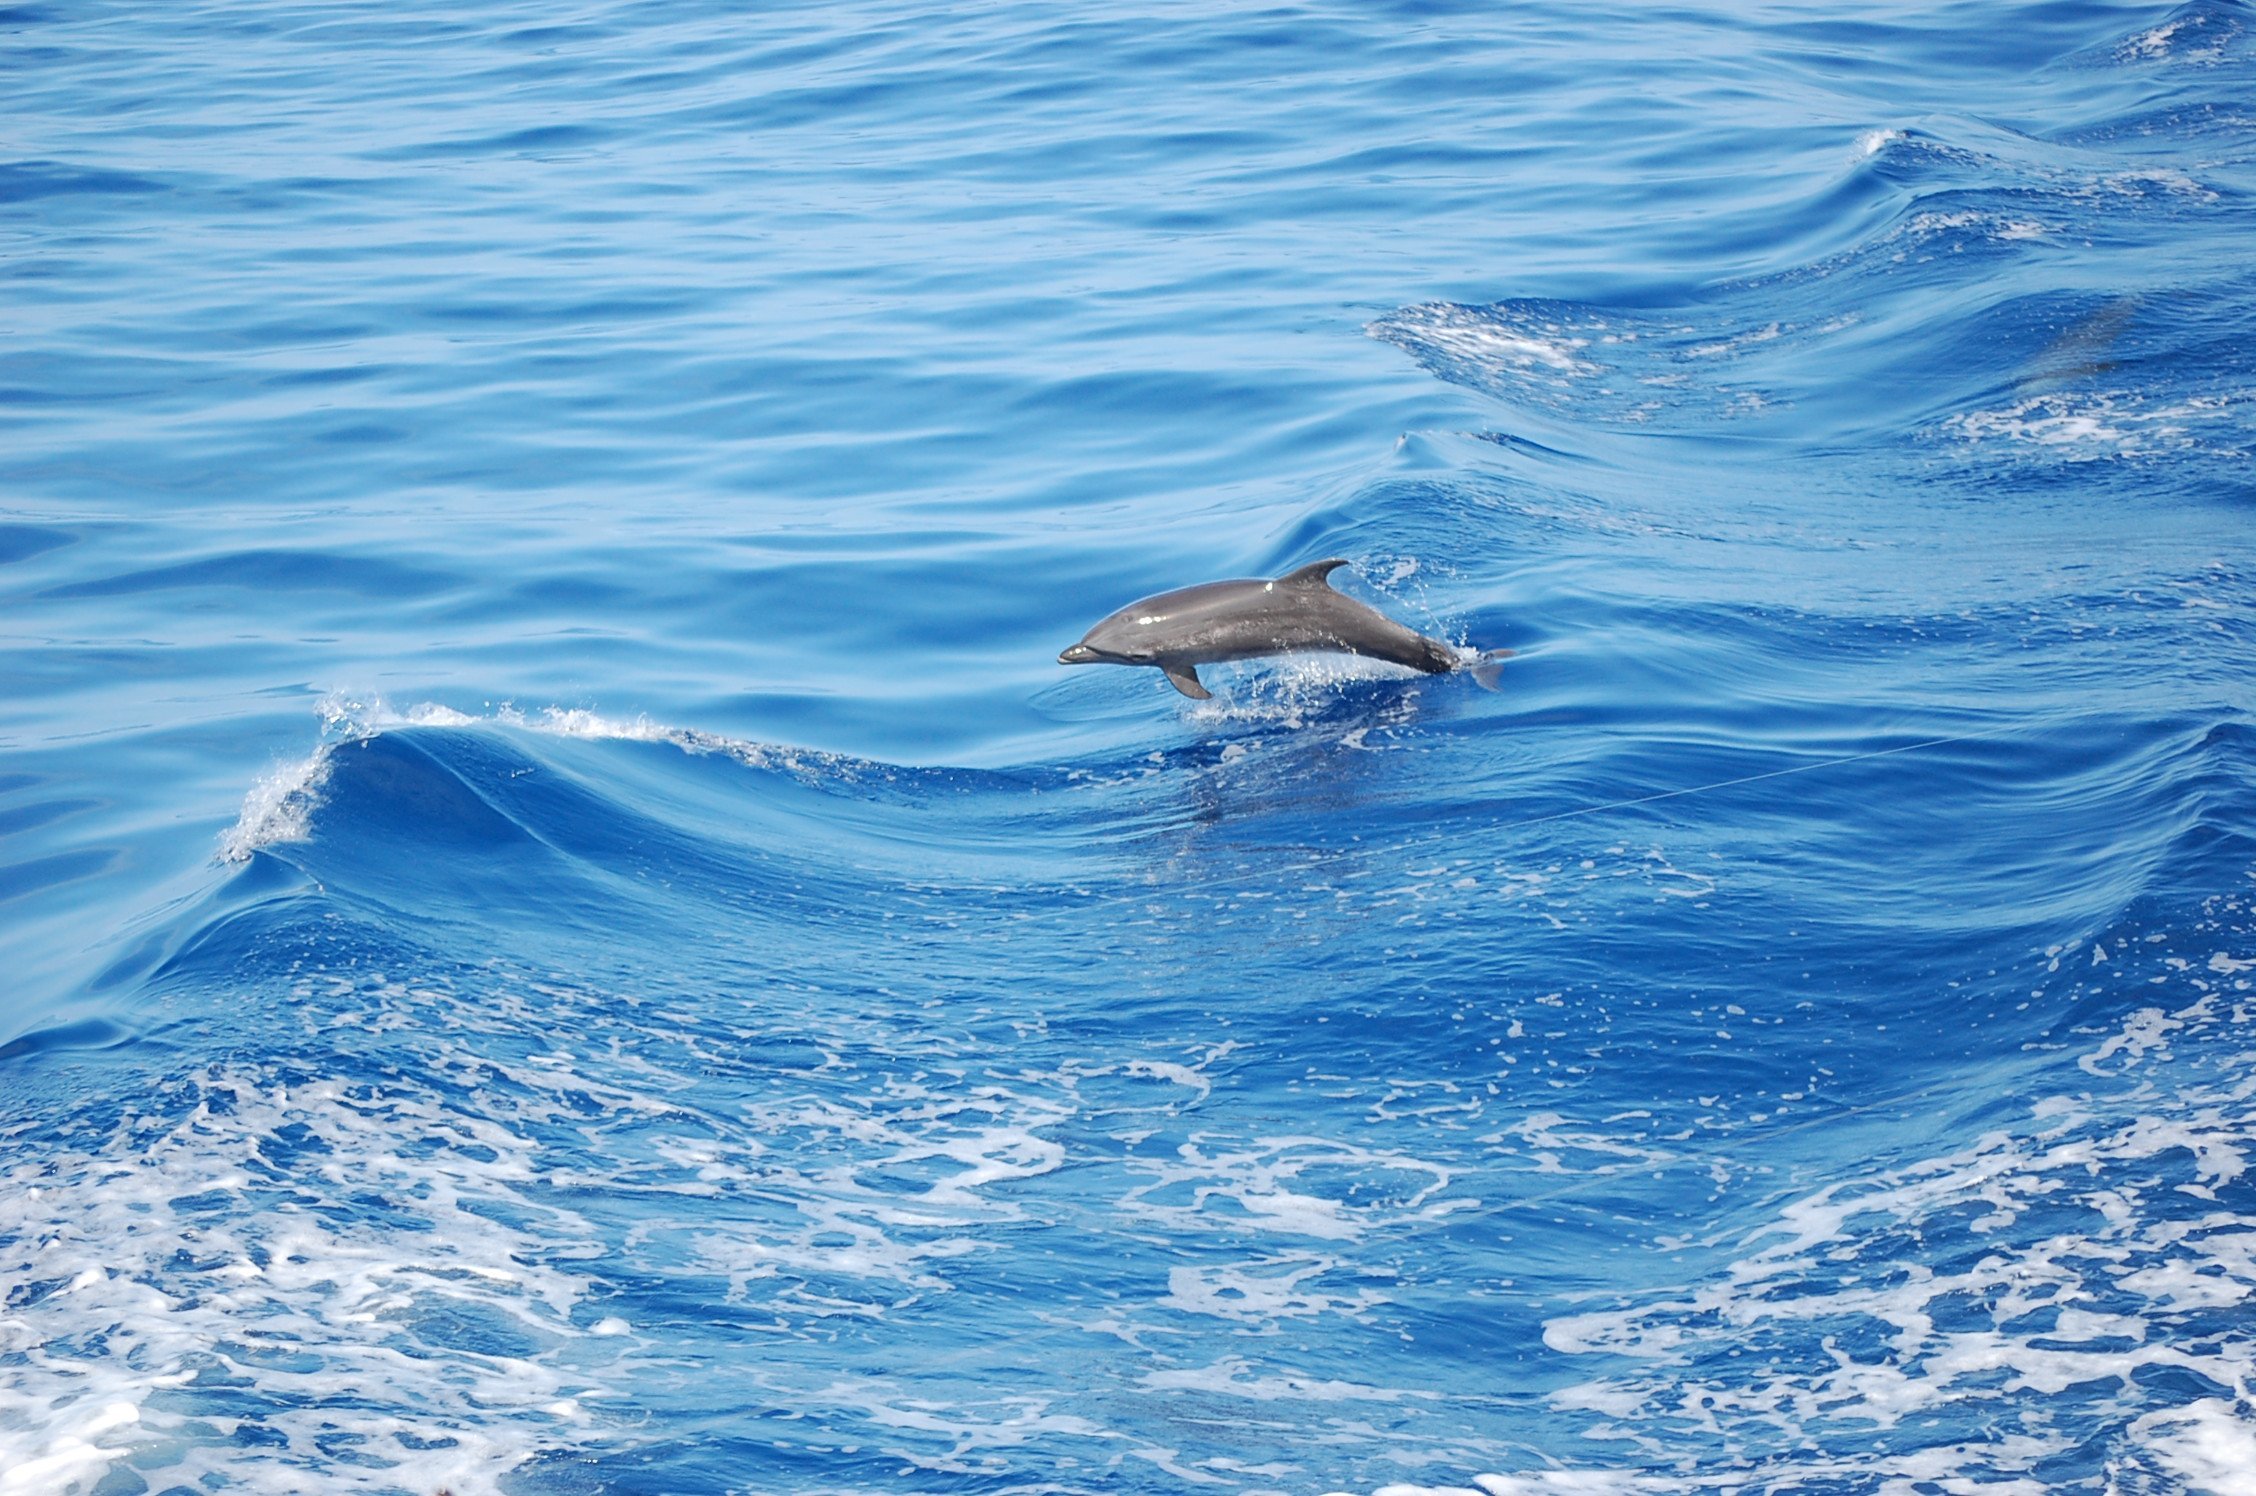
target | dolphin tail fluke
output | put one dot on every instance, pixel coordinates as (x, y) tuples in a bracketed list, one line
[(1489, 668), (1184, 678)]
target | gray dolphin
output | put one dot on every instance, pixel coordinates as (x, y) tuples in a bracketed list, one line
[(1240, 620), (2085, 349)]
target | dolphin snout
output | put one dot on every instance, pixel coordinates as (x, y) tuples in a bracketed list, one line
[(1079, 654)]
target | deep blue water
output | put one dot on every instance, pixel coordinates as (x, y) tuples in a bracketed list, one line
[(566, 932)]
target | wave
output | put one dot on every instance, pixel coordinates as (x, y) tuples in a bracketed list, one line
[(466, 1219), (2033, 366), (1794, 1033), (279, 808), (2201, 34)]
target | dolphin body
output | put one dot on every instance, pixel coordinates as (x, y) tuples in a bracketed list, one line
[(1244, 619)]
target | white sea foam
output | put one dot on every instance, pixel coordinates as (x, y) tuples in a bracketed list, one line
[(843, 1204), (956, 1439), (1478, 337), (178, 1251), (280, 807), (2152, 43), (1979, 222), (378, 1266), (2201, 39), (2086, 1303), (1538, 1483), (1552, 1138), (1264, 1293), (2084, 426), (1737, 343), (2210, 1445), (1597, 364), (1267, 1185), (1288, 691), (2145, 1030)]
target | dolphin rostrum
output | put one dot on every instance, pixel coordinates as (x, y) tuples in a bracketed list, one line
[(1239, 620)]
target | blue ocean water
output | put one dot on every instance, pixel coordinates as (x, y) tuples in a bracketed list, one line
[(567, 933)]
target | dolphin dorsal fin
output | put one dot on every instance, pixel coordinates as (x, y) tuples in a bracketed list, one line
[(1313, 574)]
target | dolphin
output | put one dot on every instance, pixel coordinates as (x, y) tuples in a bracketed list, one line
[(2086, 349), (1240, 620)]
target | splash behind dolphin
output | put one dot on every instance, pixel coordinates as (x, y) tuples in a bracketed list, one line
[(1241, 620)]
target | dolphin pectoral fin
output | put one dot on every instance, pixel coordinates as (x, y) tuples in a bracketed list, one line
[(1313, 574), (1489, 667), (1184, 678)]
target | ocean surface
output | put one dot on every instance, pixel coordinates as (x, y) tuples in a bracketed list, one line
[(565, 931)]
